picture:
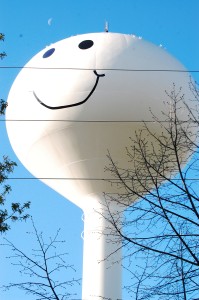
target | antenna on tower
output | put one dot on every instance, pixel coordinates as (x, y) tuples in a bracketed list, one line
[(106, 27)]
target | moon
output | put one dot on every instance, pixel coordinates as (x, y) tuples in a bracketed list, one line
[(50, 21)]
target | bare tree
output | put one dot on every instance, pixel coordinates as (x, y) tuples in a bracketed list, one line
[(161, 229), (43, 269)]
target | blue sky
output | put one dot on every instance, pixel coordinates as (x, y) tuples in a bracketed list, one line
[(28, 29)]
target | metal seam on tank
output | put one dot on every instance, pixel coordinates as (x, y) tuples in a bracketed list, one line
[(84, 160)]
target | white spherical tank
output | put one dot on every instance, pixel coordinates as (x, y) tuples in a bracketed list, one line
[(74, 101)]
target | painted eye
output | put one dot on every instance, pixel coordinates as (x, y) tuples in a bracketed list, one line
[(86, 44), (49, 53)]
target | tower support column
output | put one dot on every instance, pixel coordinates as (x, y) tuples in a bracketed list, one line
[(102, 270)]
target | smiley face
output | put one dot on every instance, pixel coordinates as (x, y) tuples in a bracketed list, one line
[(71, 74), (84, 45)]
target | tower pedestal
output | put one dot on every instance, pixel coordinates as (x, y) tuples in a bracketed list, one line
[(102, 270)]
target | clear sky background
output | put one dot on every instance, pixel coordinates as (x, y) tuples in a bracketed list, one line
[(29, 26)]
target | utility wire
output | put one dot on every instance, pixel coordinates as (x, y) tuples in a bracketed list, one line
[(85, 121), (85, 179), (97, 121), (100, 69)]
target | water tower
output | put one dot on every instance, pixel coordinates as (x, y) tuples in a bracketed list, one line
[(76, 100)]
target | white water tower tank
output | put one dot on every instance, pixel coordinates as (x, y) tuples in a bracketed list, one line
[(75, 100)]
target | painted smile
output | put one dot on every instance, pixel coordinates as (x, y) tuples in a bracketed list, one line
[(74, 104)]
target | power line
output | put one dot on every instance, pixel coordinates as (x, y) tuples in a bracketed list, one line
[(100, 69), (96, 121), (86, 121), (87, 179)]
